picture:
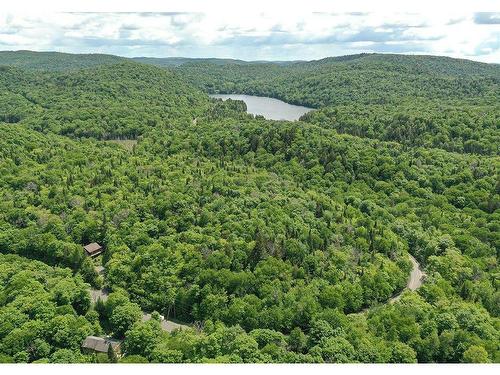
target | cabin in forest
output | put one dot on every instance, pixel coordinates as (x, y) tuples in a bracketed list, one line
[(100, 345), (93, 249)]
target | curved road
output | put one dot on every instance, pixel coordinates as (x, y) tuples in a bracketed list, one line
[(414, 281)]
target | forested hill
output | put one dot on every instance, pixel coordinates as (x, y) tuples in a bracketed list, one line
[(178, 61), (58, 61), (414, 100), (108, 101), (55, 61), (367, 79), (425, 64)]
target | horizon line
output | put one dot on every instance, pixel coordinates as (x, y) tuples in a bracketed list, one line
[(254, 61)]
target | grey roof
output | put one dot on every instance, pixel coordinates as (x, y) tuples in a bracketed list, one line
[(99, 344)]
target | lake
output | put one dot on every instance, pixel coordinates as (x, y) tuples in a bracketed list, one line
[(270, 108)]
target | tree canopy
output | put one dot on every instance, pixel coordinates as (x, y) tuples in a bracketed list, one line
[(273, 241)]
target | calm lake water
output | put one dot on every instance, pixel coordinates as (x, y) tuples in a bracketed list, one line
[(271, 109)]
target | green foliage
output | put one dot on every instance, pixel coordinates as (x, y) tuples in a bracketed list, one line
[(123, 317), (364, 78), (37, 322), (133, 359), (67, 356), (476, 354), (415, 100), (55, 60), (119, 101), (458, 126), (337, 350), (402, 353), (142, 338)]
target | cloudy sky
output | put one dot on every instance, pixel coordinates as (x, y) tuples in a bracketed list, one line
[(258, 36)]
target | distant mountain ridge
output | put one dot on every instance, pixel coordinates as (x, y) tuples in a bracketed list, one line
[(67, 61), (55, 61), (178, 61), (415, 63)]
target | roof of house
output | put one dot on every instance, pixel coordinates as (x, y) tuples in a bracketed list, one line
[(92, 247), (99, 344)]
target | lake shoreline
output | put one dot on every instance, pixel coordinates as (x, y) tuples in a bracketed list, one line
[(269, 108)]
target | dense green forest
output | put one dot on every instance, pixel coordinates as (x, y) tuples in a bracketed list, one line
[(414, 100), (55, 61), (107, 102), (274, 241), (366, 79)]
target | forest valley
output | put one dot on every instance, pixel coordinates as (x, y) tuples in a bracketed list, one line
[(273, 241)]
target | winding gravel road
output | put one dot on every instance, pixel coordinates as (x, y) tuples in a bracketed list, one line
[(414, 281)]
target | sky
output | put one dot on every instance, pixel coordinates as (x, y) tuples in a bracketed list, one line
[(255, 36)]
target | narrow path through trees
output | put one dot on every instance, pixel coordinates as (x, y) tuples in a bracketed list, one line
[(414, 281)]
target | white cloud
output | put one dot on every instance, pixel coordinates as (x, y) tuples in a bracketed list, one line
[(253, 36)]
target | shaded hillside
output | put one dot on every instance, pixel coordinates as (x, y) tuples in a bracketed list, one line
[(55, 61), (458, 126), (178, 61), (415, 100), (58, 61), (423, 64), (367, 79), (109, 101)]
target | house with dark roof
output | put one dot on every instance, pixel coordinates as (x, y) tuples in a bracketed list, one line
[(93, 249), (100, 344)]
